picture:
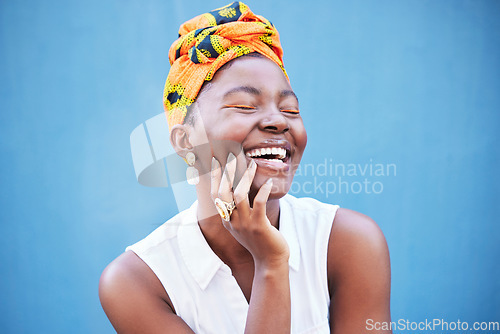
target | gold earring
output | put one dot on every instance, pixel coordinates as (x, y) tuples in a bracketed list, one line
[(192, 174)]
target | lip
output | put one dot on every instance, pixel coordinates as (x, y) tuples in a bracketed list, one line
[(277, 166), (281, 166)]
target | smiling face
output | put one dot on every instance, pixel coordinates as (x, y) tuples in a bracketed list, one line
[(251, 106)]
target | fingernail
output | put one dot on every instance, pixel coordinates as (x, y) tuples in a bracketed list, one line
[(230, 157), (270, 181), (214, 163), (252, 163)]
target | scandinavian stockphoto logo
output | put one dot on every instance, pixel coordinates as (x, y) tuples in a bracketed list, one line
[(329, 177)]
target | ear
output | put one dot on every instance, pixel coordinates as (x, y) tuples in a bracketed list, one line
[(179, 138)]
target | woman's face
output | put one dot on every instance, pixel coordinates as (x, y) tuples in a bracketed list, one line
[(250, 107)]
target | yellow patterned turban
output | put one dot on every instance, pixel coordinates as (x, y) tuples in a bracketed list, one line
[(206, 43)]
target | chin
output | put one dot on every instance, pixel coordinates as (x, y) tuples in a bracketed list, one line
[(280, 188)]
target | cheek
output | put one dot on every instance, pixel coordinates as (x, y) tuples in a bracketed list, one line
[(229, 128), (226, 134), (300, 136)]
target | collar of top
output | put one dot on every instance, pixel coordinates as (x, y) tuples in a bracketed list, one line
[(203, 263)]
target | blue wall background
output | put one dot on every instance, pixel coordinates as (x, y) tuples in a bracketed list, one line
[(410, 83)]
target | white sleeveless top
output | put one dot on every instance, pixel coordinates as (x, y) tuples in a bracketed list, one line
[(206, 295)]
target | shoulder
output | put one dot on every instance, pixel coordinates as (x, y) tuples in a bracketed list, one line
[(356, 247), (126, 268), (128, 277), (351, 226), (127, 288), (134, 299)]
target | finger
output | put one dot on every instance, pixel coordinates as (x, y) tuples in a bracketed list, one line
[(240, 194), (260, 200), (226, 182), (215, 177), (241, 166), (230, 169), (242, 189), (235, 221)]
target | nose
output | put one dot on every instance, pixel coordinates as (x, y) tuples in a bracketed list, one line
[(274, 121)]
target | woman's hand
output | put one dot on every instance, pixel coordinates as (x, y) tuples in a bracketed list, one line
[(249, 225)]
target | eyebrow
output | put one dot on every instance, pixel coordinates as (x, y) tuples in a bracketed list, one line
[(245, 89), (255, 91), (287, 93)]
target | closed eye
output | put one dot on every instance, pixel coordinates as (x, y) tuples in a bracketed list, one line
[(239, 106), (290, 111)]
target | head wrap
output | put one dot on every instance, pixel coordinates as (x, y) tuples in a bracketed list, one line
[(206, 43)]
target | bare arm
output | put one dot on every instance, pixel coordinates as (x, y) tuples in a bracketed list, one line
[(270, 301), (134, 299), (359, 275)]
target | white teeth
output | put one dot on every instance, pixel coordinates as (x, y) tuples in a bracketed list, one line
[(279, 151)]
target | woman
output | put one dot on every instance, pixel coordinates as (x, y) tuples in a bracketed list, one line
[(246, 257)]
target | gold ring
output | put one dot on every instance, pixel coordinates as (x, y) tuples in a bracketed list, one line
[(225, 209)]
